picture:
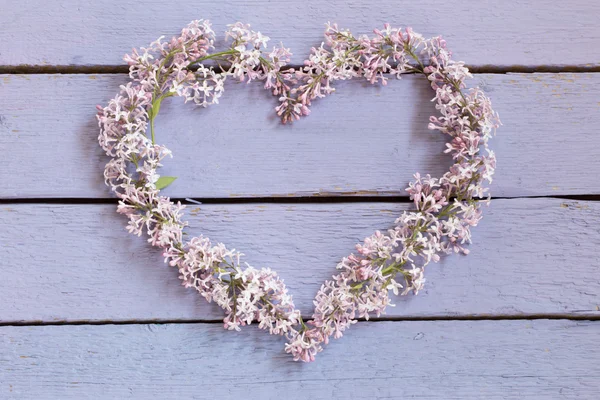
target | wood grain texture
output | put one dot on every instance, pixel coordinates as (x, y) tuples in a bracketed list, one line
[(531, 257), (387, 360), (77, 263), (363, 140), (540, 32)]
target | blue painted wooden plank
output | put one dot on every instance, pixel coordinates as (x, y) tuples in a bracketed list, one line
[(481, 33), (77, 263), (239, 148), (376, 360)]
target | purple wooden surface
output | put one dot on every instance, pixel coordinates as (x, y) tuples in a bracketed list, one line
[(450, 360), (550, 125), (531, 258), (482, 33), (77, 263)]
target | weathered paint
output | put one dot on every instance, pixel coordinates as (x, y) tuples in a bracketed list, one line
[(450, 360), (77, 262), (531, 258), (501, 33), (354, 143)]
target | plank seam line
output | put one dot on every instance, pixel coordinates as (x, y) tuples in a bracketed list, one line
[(124, 69), (527, 317), (277, 199)]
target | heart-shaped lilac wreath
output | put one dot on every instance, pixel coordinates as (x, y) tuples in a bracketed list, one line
[(445, 208)]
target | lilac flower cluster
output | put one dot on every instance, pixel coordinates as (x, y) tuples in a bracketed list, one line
[(445, 208)]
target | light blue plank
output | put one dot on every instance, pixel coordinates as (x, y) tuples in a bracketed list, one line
[(360, 141), (450, 360), (74, 263), (502, 33)]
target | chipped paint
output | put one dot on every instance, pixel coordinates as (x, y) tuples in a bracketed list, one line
[(576, 205), (565, 78)]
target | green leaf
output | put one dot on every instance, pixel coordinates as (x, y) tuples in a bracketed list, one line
[(164, 181)]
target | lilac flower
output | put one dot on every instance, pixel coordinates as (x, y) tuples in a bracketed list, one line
[(445, 208)]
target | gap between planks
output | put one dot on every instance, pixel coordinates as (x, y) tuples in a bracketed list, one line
[(124, 69), (276, 199), (522, 317)]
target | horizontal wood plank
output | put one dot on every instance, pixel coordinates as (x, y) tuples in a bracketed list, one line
[(77, 263), (383, 360), (364, 140), (507, 33)]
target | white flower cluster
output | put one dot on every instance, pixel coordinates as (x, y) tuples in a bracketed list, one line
[(445, 208)]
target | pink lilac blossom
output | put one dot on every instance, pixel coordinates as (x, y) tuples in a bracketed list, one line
[(445, 208)]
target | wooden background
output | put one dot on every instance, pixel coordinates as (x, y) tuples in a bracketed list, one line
[(88, 311)]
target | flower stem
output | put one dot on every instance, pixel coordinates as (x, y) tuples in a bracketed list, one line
[(152, 129), (211, 56)]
